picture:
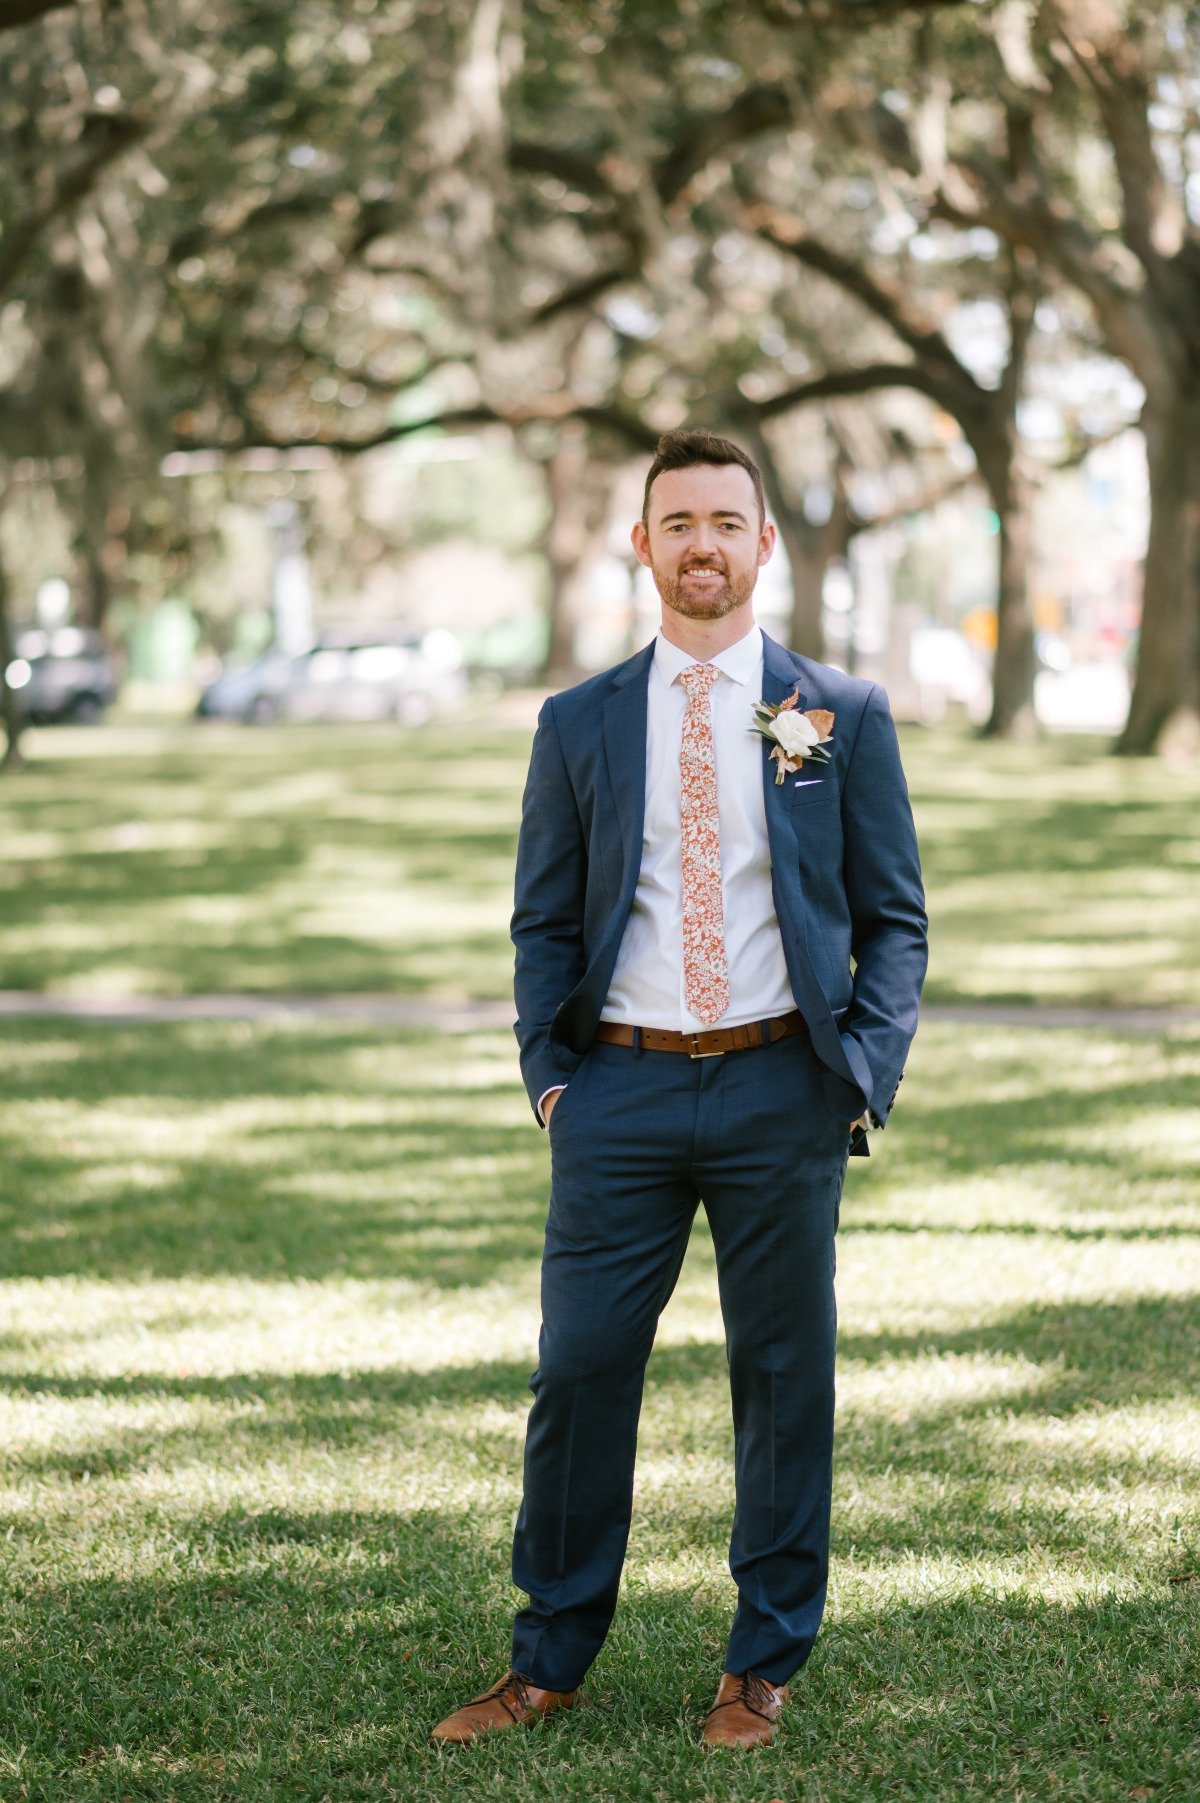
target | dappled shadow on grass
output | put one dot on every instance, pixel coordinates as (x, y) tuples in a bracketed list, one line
[(312, 1653), (1042, 832), (197, 1063), (478, 860), (226, 1220), (1186, 1230), (248, 1418), (304, 1149), (987, 1127), (1070, 1361), (274, 1151), (95, 880), (1038, 896), (270, 960), (1005, 1144), (1023, 1436), (303, 1396), (219, 863), (1141, 1348), (1053, 847)]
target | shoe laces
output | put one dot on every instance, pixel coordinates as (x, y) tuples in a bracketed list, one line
[(754, 1693), (512, 1683)]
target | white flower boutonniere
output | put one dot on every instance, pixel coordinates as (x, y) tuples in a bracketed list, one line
[(797, 737)]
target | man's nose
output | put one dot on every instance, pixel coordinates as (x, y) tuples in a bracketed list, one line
[(704, 542)]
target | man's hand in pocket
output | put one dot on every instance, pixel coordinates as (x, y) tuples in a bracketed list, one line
[(549, 1102)]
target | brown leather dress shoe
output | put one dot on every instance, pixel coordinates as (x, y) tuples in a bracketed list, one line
[(745, 1712), (513, 1703)]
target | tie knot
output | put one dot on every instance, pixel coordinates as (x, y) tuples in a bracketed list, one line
[(698, 680)]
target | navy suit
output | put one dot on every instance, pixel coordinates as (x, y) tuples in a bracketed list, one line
[(761, 1137)]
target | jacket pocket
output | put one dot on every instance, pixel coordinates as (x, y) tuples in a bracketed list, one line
[(812, 791)]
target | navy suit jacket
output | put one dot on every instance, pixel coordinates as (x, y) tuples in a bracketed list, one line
[(845, 873)]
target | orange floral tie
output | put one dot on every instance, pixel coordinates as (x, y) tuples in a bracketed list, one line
[(705, 972)]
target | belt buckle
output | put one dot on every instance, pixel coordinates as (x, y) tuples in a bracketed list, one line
[(694, 1051)]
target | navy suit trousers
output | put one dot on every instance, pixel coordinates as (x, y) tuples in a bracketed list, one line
[(637, 1140)]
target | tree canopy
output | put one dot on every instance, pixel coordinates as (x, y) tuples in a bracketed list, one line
[(237, 226)]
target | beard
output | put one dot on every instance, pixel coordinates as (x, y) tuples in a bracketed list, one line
[(712, 604)]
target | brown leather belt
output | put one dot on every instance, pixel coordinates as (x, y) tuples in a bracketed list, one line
[(707, 1044)]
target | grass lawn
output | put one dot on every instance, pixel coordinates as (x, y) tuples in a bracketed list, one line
[(146, 859), (270, 1309)]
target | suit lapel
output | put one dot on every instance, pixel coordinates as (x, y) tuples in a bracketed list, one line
[(780, 678), (780, 675), (625, 753)]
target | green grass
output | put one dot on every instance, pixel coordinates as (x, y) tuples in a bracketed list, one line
[(180, 858), (269, 1310), (270, 1313)]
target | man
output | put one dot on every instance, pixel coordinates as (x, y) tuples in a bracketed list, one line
[(691, 1030)]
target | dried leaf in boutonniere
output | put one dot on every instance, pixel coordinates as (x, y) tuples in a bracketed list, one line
[(796, 737)]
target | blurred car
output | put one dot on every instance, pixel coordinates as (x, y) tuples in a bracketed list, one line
[(241, 691), (349, 674), (65, 673)]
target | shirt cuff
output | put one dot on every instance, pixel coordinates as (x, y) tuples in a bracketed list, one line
[(555, 1089)]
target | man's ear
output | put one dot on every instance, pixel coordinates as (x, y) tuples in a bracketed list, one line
[(640, 540), (766, 541)]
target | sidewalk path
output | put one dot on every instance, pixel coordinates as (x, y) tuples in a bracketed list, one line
[(472, 1016)]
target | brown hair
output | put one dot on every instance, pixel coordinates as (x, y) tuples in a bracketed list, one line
[(684, 448)]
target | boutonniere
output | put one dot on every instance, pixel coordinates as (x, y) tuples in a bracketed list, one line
[(797, 738)]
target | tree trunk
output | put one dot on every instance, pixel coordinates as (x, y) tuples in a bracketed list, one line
[(92, 541), (836, 536), (993, 436), (1165, 707), (807, 552), (10, 710), (579, 491), (1014, 668), (95, 587), (1003, 463), (808, 562)]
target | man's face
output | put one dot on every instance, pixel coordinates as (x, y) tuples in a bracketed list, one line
[(703, 540)]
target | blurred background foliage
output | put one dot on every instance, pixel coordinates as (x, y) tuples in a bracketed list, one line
[(436, 276)]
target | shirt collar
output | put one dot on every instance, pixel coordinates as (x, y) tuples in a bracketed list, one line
[(739, 660)]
